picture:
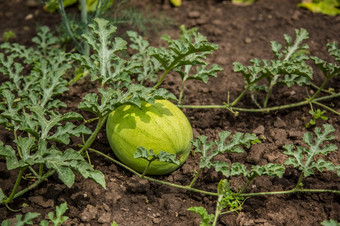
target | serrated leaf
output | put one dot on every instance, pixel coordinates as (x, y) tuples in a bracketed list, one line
[(305, 158), (150, 156), (2, 196), (331, 222), (207, 218), (222, 167), (70, 160), (59, 218), (25, 144), (64, 133), (167, 157), (188, 50), (28, 219), (223, 145), (66, 175), (105, 65), (143, 153), (10, 155), (322, 165), (270, 169), (289, 66), (239, 169), (337, 168), (61, 209)]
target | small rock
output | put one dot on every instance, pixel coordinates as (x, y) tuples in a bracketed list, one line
[(39, 200), (259, 130), (295, 134), (296, 15), (256, 153), (29, 17), (194, 14), (89, 213), (247, 40), (105, 218), (279, 123), (156, 220)]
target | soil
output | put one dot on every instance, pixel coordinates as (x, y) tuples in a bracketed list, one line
[(242, 33)]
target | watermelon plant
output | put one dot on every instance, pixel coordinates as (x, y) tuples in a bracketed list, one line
[(30, 106), (289, 67), (130, 101), (31, 111), (54, 219)]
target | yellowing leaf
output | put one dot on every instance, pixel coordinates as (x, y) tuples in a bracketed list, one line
[(323, 7), (176, 2)]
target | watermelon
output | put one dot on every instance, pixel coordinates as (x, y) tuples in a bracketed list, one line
[(161, 126)]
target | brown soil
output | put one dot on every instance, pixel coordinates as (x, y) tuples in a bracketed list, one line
[(242, 33)]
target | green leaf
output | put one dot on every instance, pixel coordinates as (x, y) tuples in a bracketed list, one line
[(150, 156), (70, 160), (59, 218), (331, 222), (270, 169), (207, 219), (112, 98), (329, 69), (2, 196), (225, 144), (167, 157), (28, 219), (222, 167), (10, 155), (64, 133), (105, 65), (150, 66), (337, 167), (25, 144), (192, 45), (239, 169), (289, 66), (305, 158)]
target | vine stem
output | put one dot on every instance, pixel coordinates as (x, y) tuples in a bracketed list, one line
[(265, 110), (153, 179), (294, 190), (181, 93), (161, 79), (240, 96), (35, 184), (188, 188), (67, 25), (93, 136), (195, 178), (16, 186)]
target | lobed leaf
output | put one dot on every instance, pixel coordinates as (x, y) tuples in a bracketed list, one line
[(150, 156), (289, 66), (207, 218), (305, 158), (150, 66), (70, 160), (225, 144), (270, 169)]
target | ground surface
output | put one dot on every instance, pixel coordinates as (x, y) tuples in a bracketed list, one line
[(242, 33)]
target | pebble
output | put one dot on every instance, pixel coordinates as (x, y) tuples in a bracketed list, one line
[(259, 130), (39, 200), (29, 16), (104, 218), (247, 40), (279, 123), (194, 14)]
